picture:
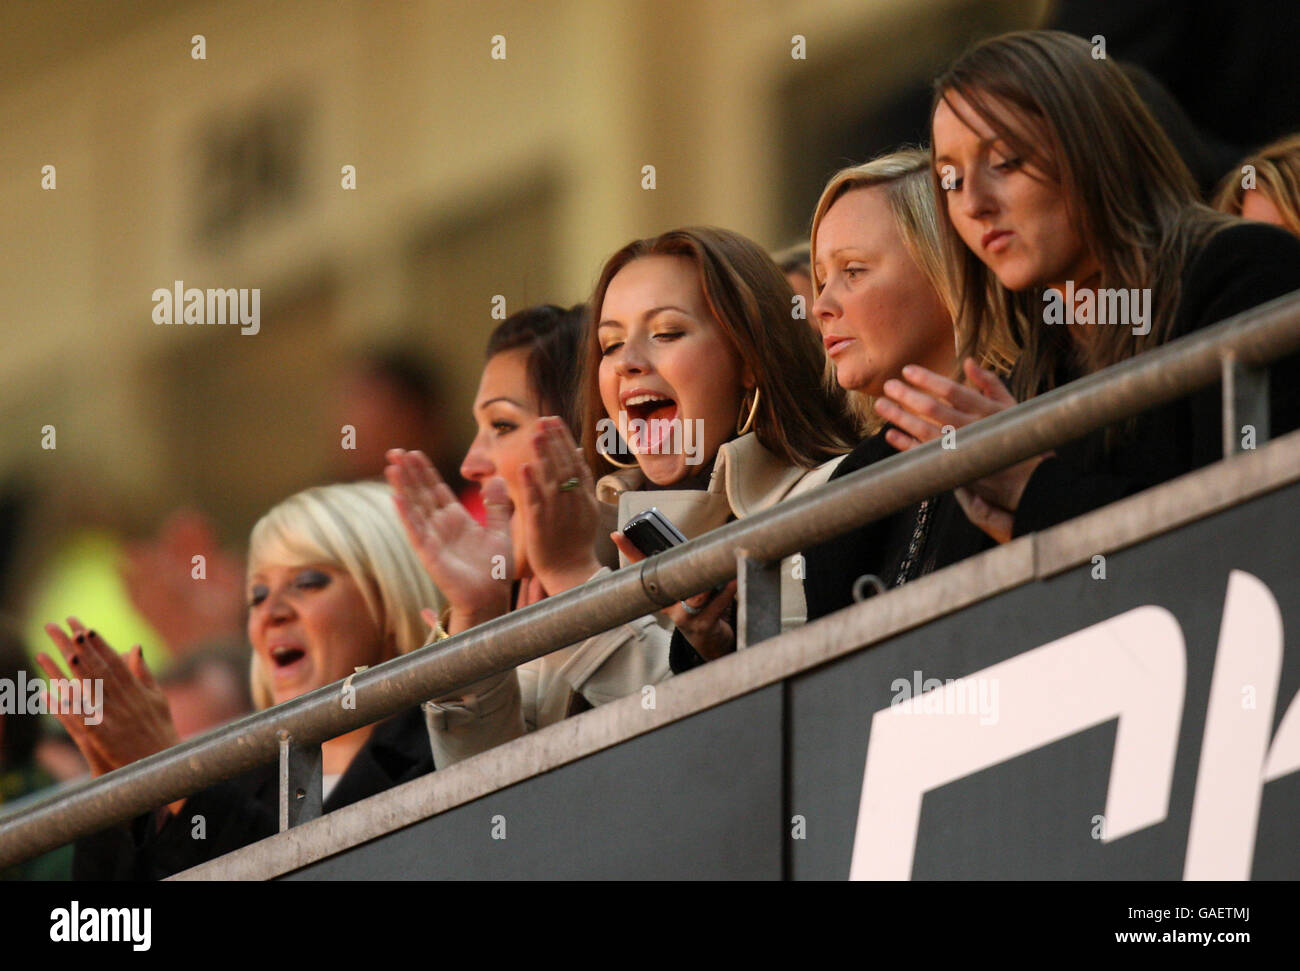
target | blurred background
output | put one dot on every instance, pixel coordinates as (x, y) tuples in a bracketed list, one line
[(475, 176)]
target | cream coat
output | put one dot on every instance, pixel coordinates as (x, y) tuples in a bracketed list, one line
[(746, 479)]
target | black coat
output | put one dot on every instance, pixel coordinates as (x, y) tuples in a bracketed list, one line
[(245, 809), (1238, 268), (879, 548)]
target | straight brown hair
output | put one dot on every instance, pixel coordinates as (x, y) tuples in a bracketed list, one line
[(799, 419), (1078, 119)]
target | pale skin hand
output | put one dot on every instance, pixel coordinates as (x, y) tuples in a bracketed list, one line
[(136, 721), (559, 525), (707, 632), (922, 404), (184, 610), (460, 556)]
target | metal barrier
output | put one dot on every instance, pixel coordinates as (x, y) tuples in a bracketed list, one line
[(1234, 351)]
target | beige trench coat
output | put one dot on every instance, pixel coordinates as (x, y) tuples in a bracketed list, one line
[(746, 479)]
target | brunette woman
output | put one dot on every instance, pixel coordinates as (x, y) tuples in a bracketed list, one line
[(1057, 189), (704, 398)]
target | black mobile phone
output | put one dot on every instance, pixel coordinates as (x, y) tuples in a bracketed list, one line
[(652, 532)]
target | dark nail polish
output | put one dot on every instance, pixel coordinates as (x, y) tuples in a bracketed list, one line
[(75, 660), (89, 634), (81, 638)]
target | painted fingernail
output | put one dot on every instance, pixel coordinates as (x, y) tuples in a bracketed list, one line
[(89, 634), (81, 638), (75, 660)]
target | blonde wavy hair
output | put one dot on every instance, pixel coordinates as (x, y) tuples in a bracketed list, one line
[(1277, 178), (353, 527), (905, 177)]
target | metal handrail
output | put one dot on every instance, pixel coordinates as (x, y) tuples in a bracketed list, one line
[(1251, 339)]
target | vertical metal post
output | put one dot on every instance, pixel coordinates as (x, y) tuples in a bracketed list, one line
[(301, 779), (1245, 404), (758, 600)]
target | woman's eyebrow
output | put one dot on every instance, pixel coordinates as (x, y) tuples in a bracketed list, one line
[(658, 310), (491, 401), (652, 312), (983, 143)]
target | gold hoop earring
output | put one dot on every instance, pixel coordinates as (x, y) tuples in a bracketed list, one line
[(615, 462), (749, 422)]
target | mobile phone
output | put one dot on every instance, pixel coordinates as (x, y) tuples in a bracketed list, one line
[(652, 532)]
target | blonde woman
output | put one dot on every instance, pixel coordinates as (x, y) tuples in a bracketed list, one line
[(333, 585), (1274, 192), (884, 301)]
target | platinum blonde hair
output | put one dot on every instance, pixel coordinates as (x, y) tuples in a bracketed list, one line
[(353, 527)]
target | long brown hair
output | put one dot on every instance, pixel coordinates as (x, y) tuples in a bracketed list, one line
[(799, 419), (1078, 120)]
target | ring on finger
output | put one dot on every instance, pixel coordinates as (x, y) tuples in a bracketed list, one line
[(693, 611), (569, 484)]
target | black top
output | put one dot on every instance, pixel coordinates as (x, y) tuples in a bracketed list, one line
[(1238, 268), (881, 548), (245, 809)]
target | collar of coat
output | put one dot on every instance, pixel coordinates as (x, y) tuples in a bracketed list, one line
[(746, 479)]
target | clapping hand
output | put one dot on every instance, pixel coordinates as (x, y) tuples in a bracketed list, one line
[(469, 563), (132, 720), (561, 512), (924, 403)]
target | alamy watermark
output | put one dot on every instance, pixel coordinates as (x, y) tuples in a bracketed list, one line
[(652, 436), (214, 306), (1120, 308), (66, 696), (77, 924), (965, 696)]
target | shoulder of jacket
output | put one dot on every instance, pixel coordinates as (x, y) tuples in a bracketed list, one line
[(1241, 246), (610, 487), (754, 479)]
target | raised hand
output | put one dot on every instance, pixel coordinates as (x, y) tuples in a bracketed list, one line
[(186, 611), (132, 720), (925, 402), (560, 513), (468, 563), (707, 631)]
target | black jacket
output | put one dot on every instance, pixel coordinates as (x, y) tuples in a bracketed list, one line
[(1238, 268), (245, 809), (879, 548)]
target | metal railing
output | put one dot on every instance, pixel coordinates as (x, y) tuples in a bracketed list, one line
[(1233, 351)]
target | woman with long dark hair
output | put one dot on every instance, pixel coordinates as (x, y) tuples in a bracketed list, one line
[(1073, 225)]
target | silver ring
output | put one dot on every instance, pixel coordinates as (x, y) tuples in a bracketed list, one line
[(570, 484), (693, 611)]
